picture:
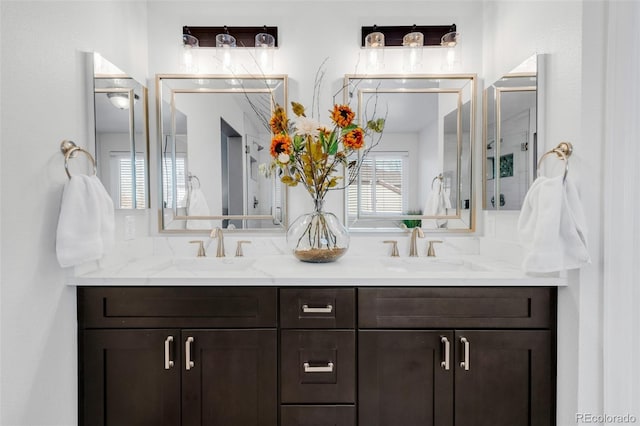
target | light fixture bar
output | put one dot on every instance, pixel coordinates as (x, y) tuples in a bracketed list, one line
[(245, 36), (393, 34)]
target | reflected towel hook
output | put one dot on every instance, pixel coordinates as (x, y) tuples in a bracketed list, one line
[(439, 177), (193, 177), (563, 151), (70, 149)]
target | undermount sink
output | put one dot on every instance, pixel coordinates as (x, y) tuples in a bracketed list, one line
[(426, 264), (213, 263)]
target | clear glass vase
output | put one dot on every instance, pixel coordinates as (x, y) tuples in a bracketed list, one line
[(318, 237)]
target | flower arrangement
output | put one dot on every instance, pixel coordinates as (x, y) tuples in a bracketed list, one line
[(310, 153)]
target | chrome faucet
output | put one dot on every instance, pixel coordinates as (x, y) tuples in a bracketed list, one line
[(217, 233), (413, 245)]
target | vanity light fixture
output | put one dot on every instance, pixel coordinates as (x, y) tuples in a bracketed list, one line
[(374, 44), (120, 100), (224, 43), (412, 39)]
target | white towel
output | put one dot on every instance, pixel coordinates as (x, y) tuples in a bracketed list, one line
[(86, 226), (197, 206), (552, 227), (438, 201)]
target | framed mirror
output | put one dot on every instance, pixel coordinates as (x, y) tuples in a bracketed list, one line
[(420, 173), (510, 130), (214, 149), (121, 134)]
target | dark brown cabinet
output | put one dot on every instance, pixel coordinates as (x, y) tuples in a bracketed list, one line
[(472, 376), (401, 381), (185, 376), (267, 356), (123, 379)]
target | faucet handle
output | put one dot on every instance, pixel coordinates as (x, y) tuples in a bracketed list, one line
[(394, 247), (201, 252), (239, 247), (431, 252)]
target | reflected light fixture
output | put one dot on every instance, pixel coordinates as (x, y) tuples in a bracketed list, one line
[(189, 42), (374, 45), (120, 100), (265, 45), (413, 43), (224, 43)]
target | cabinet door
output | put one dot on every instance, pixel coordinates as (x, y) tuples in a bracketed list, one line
[(508, 381), (232, 380), (125, 378), (402, 378)]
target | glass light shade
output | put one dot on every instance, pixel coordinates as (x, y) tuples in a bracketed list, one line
[(375, 39), (224, 45), (449, 39), (374, 48), (265, 45), (412, 54), (225, 40), (414, 39), (120, 100)]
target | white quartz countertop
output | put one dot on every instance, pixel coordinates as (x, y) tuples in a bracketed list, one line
[(286, 270)]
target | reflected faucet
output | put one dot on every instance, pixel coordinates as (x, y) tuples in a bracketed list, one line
[(413, 245), (217, 233)]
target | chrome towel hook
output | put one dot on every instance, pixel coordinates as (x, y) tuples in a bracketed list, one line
[(70, 149)]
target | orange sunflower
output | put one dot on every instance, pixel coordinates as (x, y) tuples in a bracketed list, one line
[(280, 144), (342, 115), (354, 139), (279, 122)]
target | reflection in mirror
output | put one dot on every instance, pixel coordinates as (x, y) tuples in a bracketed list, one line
[(420, 172), (215, 145), (121, 134), (510, 137)]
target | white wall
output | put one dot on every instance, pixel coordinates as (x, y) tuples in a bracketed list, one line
[(43, 102)]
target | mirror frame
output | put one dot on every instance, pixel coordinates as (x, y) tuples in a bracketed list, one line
[(283, 221), (473, 80), (92, 76)]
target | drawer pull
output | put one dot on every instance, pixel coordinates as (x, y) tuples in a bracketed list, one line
[(447, 349), (465, 344), (309, 310), (189, 364), (168, 362), (322, 369)]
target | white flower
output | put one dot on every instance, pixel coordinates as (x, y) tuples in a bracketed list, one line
[(306, 126), (283, 157)]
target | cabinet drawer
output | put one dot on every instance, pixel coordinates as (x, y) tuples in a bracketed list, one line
[(132, 307), (317, 308), (436, 307), (315, 415), (317, 366)]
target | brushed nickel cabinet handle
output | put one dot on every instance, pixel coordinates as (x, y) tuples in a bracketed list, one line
[(187, 351), (309, 310), (323, 369), (447, 350), (168, 362), (465, 344)]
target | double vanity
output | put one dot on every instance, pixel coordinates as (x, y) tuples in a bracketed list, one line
[(264, 339)]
